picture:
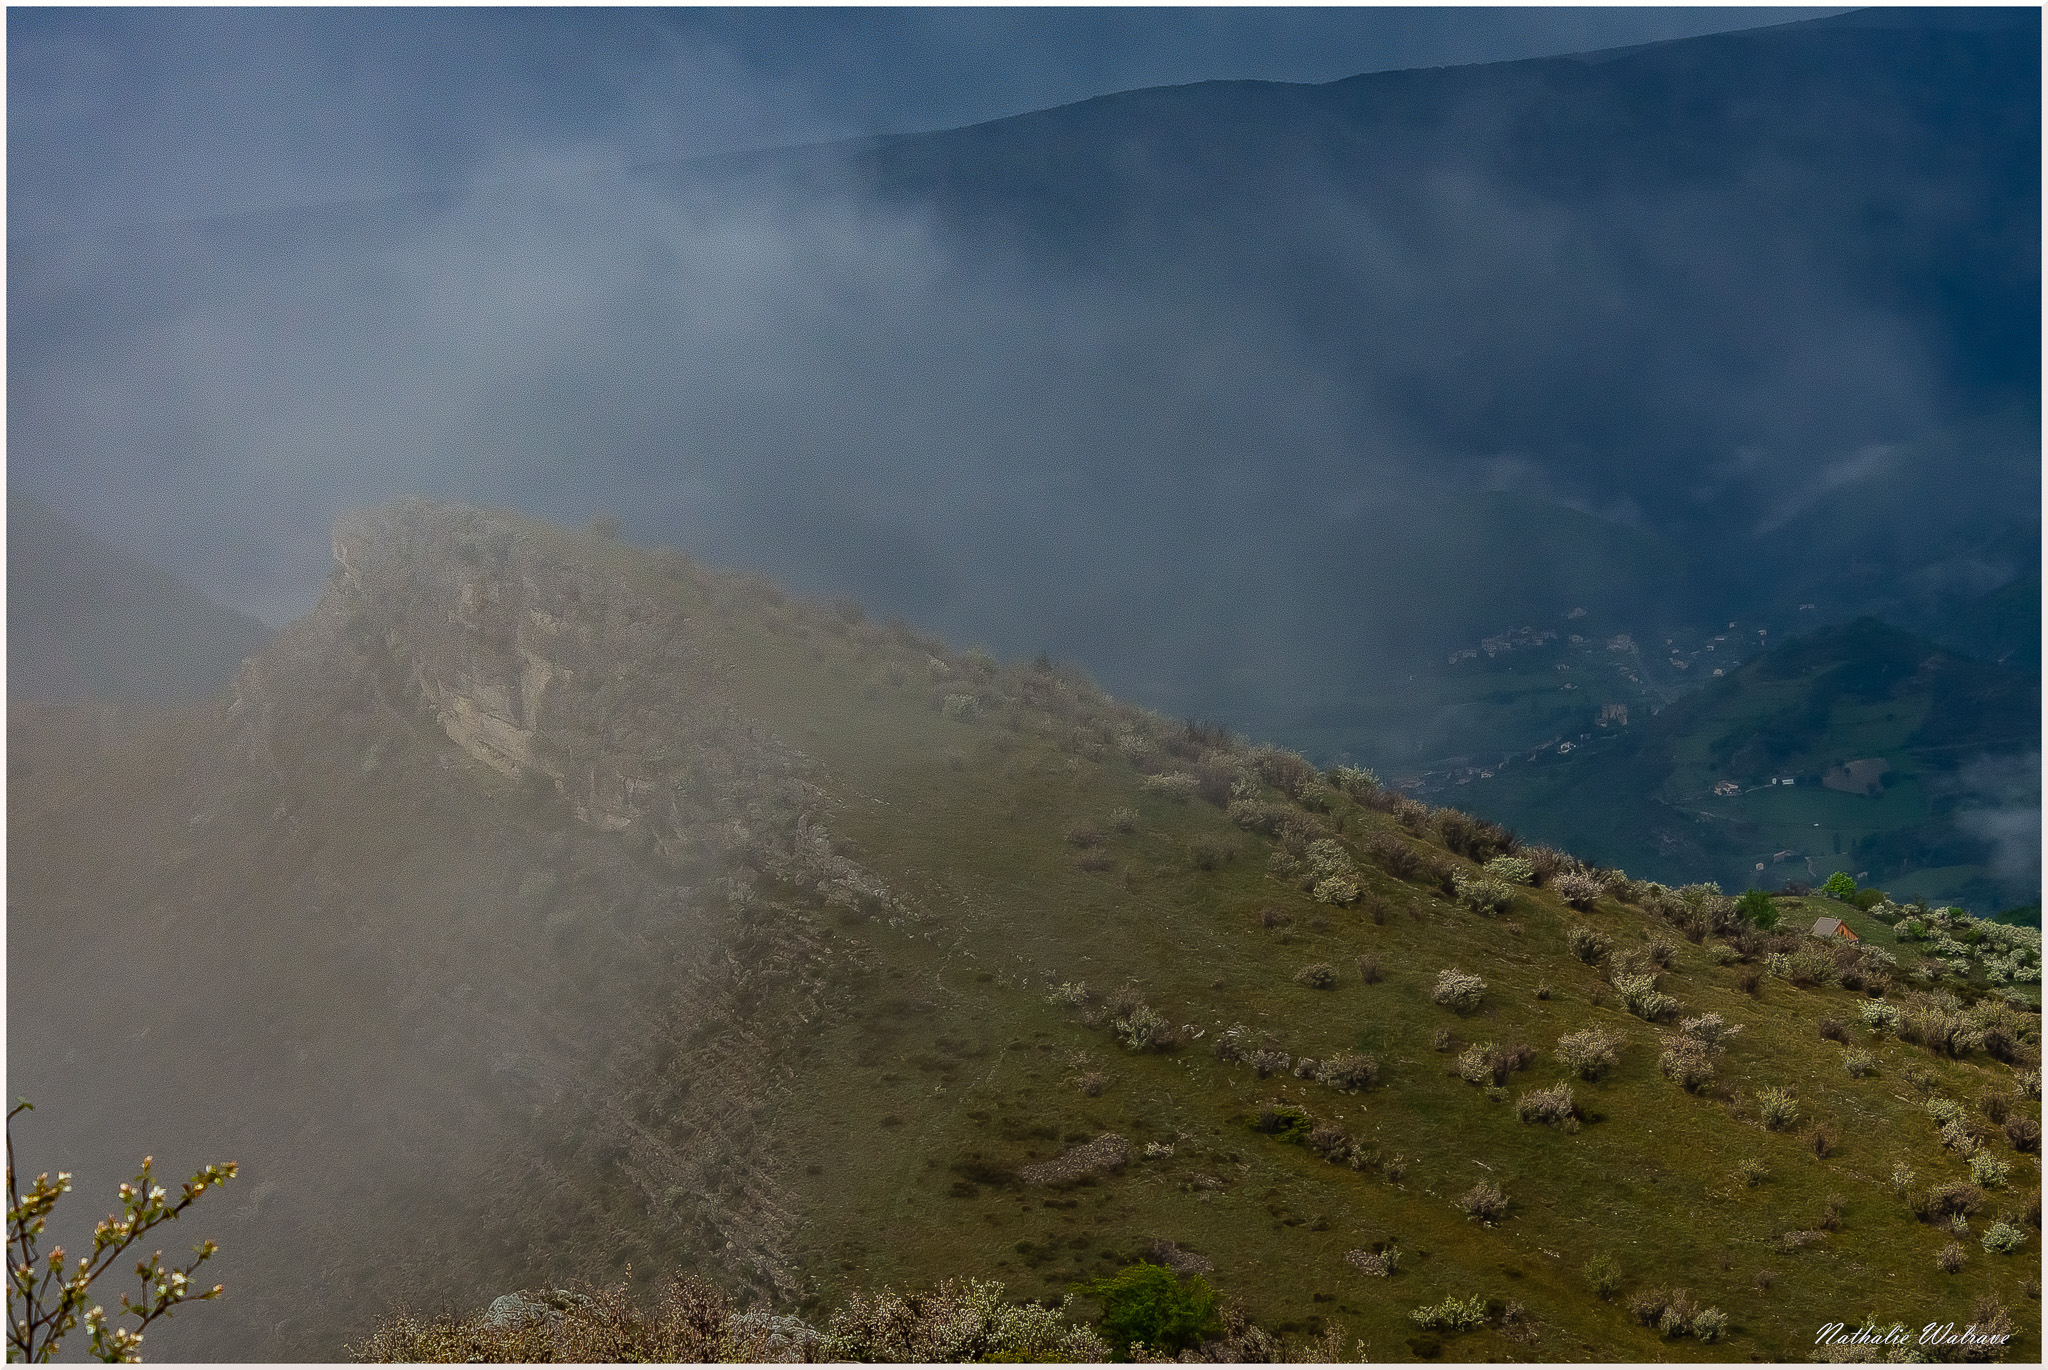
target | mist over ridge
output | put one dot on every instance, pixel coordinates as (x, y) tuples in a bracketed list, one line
[(854, 690), (543, 909), (1198, 385)]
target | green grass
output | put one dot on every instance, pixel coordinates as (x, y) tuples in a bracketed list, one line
[(887, 1117), (950, 1070)]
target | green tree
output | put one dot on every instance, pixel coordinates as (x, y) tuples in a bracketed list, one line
[(43, 1309), (1758, 908), (1148, 1304), (1841, 885)]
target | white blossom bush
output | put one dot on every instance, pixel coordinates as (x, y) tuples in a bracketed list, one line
[(1458, 990), (2004, 1238), (1330, 865), (1687, 1062), (1777, 1108), (1640, 996), (1554, 1107), (1378, 1264), (1356, 781), (1483, 892), (1580, 889), (1349, 1072), (1335, 890), (1710, 1029), (1590, 1052), (1513, 870), (1070, 994), (959, 1322), (1945, 1112), (1459, 1315), (1178, 786), (1987, 1171)]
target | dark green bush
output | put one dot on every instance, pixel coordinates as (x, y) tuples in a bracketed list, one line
[(1758, 909), (1148, 1304), (1288, 1122)]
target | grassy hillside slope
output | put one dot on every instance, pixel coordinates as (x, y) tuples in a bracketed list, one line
[(653, 918)]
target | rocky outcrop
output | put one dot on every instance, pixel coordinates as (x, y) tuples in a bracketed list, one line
[(496, 805), (542, 671)]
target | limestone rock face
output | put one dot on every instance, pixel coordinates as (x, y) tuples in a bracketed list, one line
[(545, 673), (497, 910)]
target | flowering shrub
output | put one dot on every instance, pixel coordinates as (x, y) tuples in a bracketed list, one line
[(1378, 1264), (1458, 990), (1579, 889), (1349, 1072), (1491, 1064), (1143, 1028), (959, 1321), (1710, 1030), (1356, 781), (1987, 1171), (1335, 890), (1459, 1315), (1553, 1106), (1320, 975), (1687, 1061), (1676, 1314), (2004, 1238), (1071, 994), (1267, 1061), (1331, 869), (1778, 1108), (44, 1306), (1513, 870), (1175, 785), (1485, 1201), (1483, 893), (1640, 996), (1590, 1052)]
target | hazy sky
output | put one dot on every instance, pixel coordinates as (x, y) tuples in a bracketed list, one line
[(123, 114)]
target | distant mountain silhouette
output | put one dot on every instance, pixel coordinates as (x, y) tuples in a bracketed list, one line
[(1377, 367), (1769, 297), (88, 622)]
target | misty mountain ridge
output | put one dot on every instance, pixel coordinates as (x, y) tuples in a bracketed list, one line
[(86, 621), (1757, 309), (540, 905), (536, 906)]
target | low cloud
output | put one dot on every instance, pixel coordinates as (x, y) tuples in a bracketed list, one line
[(1207, 459), (2002, 807)]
